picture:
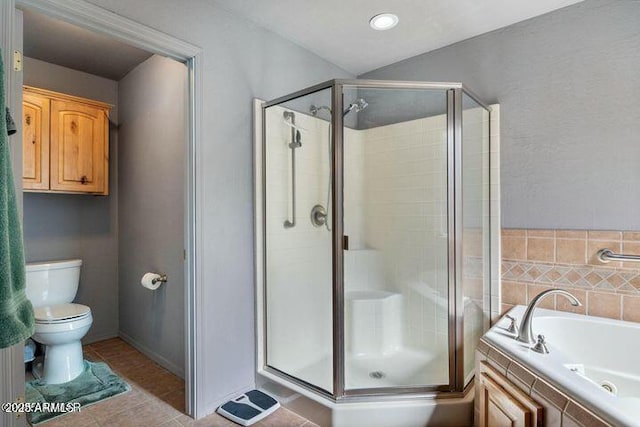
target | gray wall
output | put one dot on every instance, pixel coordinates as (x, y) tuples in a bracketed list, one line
[(568, 83), (241, 61), (63, 226), (153, 140)]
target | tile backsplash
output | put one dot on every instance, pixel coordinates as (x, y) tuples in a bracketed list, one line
[(537, 260)]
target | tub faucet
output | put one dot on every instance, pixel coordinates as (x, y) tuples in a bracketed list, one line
[(526, 332)]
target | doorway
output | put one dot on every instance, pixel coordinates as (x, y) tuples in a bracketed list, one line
[(160, 47)]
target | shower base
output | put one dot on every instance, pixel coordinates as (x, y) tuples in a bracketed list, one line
[(405, 367), (372, 411)]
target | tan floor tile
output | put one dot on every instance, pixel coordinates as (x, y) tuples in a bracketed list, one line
[(144, 415), (163, 383), (110, 407), (74, 419), (175, 399), (118, 350), (185, 420), (114, 350), (170, 410), (129, 360), (142, 375), (157, 397), (282, 418), (106, 343), (92, 356), (213, 420)]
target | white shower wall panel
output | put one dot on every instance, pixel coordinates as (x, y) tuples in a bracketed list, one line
[(299, 276), (405, 201)]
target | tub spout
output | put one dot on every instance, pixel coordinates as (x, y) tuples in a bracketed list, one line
[(526, 331)]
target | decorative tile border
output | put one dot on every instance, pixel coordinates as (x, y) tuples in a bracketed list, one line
[(586, 277)]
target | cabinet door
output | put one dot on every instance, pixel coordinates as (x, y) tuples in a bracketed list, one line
[(35, 142), (79, 147), (498, 408), (504, 405)]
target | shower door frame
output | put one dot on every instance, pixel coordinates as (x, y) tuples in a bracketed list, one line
[(456, 386)]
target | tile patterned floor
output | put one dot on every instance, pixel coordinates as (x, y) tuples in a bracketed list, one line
[(156, 398)]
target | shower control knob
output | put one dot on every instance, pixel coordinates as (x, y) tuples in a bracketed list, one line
[(318, 216)]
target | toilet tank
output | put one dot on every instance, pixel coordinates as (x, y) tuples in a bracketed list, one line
[(52, 282)]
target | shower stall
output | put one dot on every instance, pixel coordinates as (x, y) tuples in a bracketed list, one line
[(373, 239)]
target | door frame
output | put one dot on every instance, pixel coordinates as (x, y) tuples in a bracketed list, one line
[(97, 19)]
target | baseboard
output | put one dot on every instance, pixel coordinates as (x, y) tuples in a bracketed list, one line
[(160, 360)]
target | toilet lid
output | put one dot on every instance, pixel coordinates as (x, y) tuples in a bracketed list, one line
[(60, 312)]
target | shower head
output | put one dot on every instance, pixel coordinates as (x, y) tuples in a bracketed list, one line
[(357, 106), (314, 109)]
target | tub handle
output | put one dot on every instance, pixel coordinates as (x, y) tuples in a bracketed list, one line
[(541, 346), (513, 326)]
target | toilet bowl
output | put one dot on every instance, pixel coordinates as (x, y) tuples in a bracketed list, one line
[(60, 328), (59, 324)]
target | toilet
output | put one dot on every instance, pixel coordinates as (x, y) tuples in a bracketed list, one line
[(60, 324)]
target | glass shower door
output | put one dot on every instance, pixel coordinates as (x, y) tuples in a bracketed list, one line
[(396, 263), (298, 252)]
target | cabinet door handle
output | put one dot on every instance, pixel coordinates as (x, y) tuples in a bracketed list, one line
[(84, 179)]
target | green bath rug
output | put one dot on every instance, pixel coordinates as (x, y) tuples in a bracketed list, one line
[(96, 383)]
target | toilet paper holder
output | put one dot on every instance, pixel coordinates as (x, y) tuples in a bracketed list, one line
[(163, 278)]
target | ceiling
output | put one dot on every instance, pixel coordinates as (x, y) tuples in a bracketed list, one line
[(64, 44), (338, 30)]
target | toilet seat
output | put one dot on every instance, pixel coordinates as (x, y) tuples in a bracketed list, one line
[(61, 313)]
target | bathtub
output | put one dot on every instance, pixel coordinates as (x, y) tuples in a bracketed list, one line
[(596, 361)]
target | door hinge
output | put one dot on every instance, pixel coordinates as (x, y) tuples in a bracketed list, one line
[(19, 399), (17, 60)]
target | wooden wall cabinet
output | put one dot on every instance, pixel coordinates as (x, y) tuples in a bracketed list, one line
[(502, 404), (65, 143)]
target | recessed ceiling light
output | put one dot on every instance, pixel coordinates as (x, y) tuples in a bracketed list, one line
[(383, 21)]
